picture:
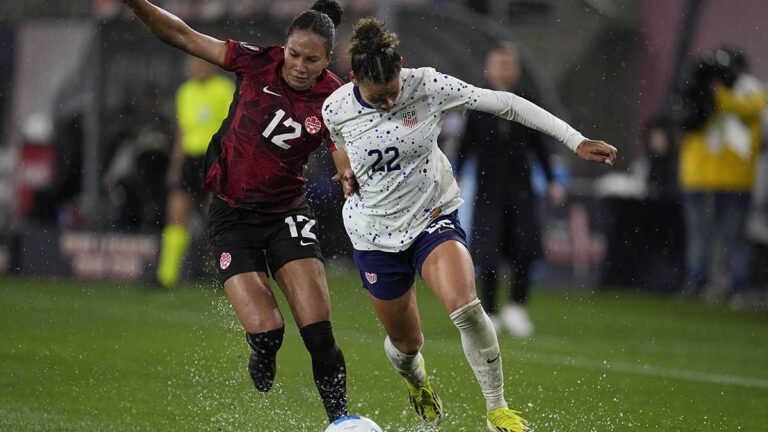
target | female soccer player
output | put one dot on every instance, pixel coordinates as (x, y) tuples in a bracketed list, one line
[(259, 219), (403, 217)]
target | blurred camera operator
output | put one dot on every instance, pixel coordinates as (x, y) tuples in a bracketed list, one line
[(722, 109)]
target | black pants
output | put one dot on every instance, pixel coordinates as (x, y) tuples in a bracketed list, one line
[(505, 227)]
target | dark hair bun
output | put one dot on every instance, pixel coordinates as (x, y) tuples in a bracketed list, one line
[(332, 8), (370, 36)]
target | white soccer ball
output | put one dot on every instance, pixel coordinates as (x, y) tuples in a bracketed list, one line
[(354, 424)]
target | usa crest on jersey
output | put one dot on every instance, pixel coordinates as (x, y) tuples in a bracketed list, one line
[(409, 118), (372, 278)]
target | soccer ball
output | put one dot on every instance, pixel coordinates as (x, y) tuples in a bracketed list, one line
[(353, 424)]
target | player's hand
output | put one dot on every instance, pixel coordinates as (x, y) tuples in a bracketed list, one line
[(348, 182), (598, 151)]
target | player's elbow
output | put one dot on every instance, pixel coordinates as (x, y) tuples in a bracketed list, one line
[(177, 34)]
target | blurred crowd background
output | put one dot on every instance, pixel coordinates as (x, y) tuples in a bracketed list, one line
[(88, 121)]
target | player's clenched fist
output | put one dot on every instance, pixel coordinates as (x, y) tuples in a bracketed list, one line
[(598, 151)]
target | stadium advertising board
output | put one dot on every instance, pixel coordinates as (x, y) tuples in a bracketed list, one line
[(87, 255)]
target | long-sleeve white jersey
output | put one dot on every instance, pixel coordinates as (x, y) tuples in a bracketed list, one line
[(405, 179)]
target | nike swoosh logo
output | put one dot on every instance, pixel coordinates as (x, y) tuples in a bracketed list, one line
[(303, 243), (494, 359), (267, 90)]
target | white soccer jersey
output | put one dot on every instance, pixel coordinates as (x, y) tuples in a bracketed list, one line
[(405, 179)]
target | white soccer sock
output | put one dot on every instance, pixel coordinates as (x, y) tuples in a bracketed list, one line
[(407, 365), (481, 347)]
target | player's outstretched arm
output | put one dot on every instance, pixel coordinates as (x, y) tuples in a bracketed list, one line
[(172, 30), (512, 107)]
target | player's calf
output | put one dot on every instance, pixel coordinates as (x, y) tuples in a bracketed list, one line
[(328, 367), (422, 396), (262, 364)]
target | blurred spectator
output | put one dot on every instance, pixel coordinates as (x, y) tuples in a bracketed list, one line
[(35, 166), (666, 229), (722, 121), (137, 151), (757, 226), (202, 103), (52, 205), (504, 222), (59, 204)]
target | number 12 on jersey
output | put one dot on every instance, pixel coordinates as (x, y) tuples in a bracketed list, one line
[(280, 139), (306, 230)]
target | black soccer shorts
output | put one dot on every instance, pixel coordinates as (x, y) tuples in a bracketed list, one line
[(246, 241), (192, 176)]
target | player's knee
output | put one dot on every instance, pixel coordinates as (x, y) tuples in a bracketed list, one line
[(468, 314), (461, 300), (318, 337), (259, 324), (408, 344)]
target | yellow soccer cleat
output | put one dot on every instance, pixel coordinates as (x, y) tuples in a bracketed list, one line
[(506, 420), (425, 401)]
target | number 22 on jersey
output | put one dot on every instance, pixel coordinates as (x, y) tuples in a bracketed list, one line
[(391, 154)]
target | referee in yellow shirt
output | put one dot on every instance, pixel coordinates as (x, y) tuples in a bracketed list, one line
[(202, 103)]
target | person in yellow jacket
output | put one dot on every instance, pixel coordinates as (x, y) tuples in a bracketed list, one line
[(717, 173), (202, 103)]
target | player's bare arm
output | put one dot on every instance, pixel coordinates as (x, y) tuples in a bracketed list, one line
[(172, 30), (344, 173)]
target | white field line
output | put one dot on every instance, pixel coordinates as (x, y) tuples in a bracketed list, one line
[(645, 370)]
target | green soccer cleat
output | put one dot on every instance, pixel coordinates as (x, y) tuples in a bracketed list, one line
[(425, 401), (506, 420)]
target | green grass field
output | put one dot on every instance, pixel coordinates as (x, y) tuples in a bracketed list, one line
[(103, 357)]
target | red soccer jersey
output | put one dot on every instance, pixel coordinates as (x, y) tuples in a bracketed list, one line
[(256, 159)]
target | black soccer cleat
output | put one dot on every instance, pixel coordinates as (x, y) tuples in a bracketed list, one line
[(262, 368)]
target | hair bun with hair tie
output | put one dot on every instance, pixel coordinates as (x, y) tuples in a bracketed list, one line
[(332, 8)]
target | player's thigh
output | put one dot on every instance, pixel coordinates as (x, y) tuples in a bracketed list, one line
[(448, 272), (389, 278), (242, 270), (400, 318), (295, 259), (186, 198), (305, 287), (253, 301)]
